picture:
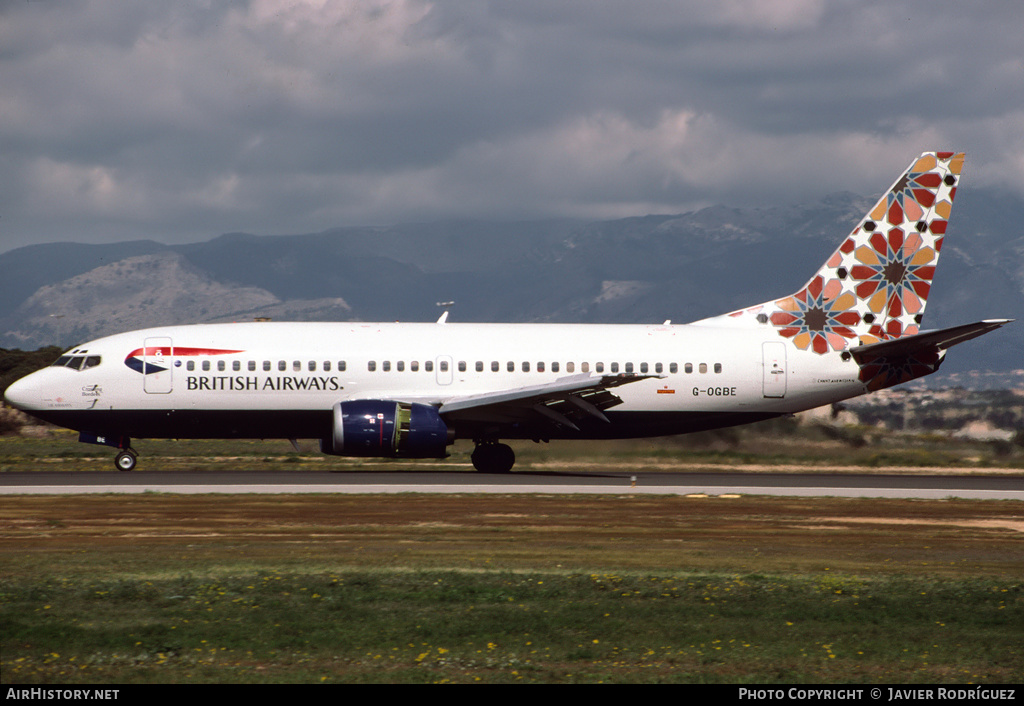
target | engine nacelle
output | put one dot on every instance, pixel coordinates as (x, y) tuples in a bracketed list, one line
[(386, 428)]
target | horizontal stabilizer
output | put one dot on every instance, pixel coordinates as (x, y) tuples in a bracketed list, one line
[(938, 340)]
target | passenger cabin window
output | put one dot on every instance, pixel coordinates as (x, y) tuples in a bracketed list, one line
[(443, 366), (236, 365), (479, 366), (428, 365), (386, 367), (615, 367), (571, 367), (703, 367), (554, 367), (688, 368), (266, 365), (327, 366), (371, 365), (206, 365), (673, 367), (462, 366), (282, 366), (190, 365), (341, 366), (400, 365), (414, 366), (584, 367), (540, 367), (222, 365), (511, 366), (495, 366), (718, 367), (252, 365), (311, 367)]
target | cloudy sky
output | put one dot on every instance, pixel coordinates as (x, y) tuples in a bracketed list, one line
[(178, 121)]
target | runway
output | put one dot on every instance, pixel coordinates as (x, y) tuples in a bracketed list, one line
[(989, 487)]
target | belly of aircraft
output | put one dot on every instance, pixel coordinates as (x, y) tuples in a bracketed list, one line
[(308, 424)]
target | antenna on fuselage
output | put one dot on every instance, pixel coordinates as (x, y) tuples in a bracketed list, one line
[(444, 316)]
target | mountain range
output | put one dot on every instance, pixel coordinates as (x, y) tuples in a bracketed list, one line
[(648, 269)]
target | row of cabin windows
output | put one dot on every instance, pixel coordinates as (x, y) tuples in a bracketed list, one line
[(428, 366), (541, 367), (282, 366)]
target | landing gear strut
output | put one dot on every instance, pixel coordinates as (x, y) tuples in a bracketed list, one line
[(492, 457)]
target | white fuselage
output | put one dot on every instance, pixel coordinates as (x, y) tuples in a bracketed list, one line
[(200, 380)]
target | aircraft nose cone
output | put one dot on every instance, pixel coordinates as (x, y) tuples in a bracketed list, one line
[(23, 394)]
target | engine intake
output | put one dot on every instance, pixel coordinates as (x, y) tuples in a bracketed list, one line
[(386, 428)]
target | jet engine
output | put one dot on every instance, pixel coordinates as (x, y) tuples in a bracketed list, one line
[(386, 428)]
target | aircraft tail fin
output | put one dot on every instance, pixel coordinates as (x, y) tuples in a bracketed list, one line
[(875, 286)]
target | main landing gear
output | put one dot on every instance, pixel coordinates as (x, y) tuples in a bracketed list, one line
[(492, 457)]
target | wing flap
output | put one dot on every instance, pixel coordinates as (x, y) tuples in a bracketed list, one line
[(564, 401)]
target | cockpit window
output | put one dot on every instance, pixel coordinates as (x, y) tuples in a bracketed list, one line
[(78, 362)]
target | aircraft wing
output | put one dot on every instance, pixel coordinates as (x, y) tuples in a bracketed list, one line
[(564, 401), (938, 340)]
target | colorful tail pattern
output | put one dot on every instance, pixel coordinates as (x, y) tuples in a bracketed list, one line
[(875, 286)]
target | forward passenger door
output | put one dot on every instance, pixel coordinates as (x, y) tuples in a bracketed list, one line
[(157, 365)]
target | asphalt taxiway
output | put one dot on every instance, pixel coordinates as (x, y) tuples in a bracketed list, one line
[(974, 486)]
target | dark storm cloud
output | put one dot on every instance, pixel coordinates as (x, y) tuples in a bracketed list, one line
[(181, 121)]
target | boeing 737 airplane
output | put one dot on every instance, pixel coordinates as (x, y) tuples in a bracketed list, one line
[(409, 390)]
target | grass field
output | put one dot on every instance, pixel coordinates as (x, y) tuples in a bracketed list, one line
[(428, 588)]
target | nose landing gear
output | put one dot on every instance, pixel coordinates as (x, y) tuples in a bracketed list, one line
[(126, 457)]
